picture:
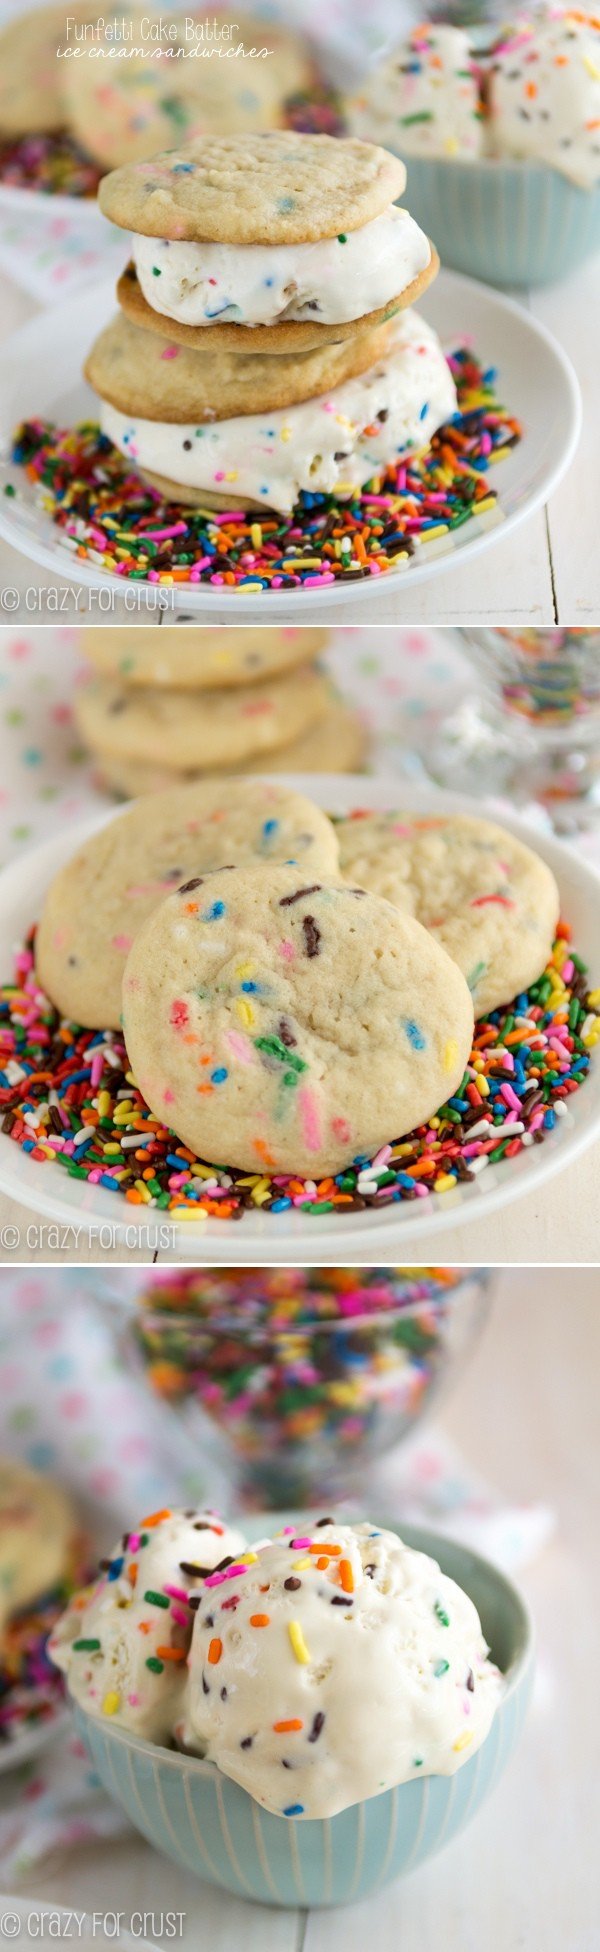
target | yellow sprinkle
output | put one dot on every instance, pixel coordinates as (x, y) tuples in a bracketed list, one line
[(110, 1703), (450, 1054), (304, 1565), (443, 1183), (233, 475), (244, 1011), (591, 67), (463, 1741), (286, 434), (481, 507), (483, 1087), (256, 535), (141, 1188), (244, 971), (187, 1212), (298, 1642), (247, 1558), (441, 528), (594, 999)]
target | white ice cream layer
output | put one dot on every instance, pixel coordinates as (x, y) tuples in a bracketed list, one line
[(330, 282), (335, 443), (342, 1664)]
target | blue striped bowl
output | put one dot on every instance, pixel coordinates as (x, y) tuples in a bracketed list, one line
[(507, 223), (209, 1825)]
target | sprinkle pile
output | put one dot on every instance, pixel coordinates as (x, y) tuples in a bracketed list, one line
[(106, 515), (31, 1691), (68, 1096), (52, 164)]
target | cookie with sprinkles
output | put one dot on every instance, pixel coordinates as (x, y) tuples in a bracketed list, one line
[(336, 744), (198, 657), (126, 110), (141, 373), (123, 1642), (38, 1534), (291, 239), (486, 897), (221, 728), (97, 903), (310, 1717), (31, 75), (290, 1024)]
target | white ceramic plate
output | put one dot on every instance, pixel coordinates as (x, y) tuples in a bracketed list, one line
[(40, 375), (291, 1236)]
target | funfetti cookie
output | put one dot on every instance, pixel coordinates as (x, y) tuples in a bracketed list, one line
[(31, 75), (487, 898), (187, 729), (290, 1024), (198, 657), (289, 239), (38, 1530), (146, 374), (195, 84), (424, 99), (336, 744), (100, 899), (544, 94), (330, 444)]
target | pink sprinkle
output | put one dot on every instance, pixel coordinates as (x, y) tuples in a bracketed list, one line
[(176, 1593), (299, 1545), (240, 1046), (287, 950), (309, 1116), (163, 535), (133, 1542), (510, 1097), (123, 942), (170, 352), (97, 1068)]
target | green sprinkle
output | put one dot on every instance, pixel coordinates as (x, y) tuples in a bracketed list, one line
[(440, 1667), (156, 1667), (274, 1047), (156, 1599), (342, 238), (424, 115), (440, 1614), (155, 271), (10, 491), (86, 1646)]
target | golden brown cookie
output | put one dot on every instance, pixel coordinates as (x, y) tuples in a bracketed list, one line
[(289, 335), (191, 730), (274, 188), (154, 378), (336, 744), (197, 657)]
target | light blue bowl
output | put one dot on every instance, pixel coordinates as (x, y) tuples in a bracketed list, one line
[(507, 223), (209, 1825)]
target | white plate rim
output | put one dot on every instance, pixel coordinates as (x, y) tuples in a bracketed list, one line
[(288, 1237), (279, 603)]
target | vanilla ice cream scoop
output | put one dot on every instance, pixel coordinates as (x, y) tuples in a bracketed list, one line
[(423, 99), (123, 1642), (330, 281), (337, 1663), (544, 94)]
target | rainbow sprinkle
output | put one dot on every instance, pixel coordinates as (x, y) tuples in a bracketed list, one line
[(53, 164), (106, 515), (68, 1097)]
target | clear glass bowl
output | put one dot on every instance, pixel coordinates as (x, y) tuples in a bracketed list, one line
[(302, 1399), (532, 729)]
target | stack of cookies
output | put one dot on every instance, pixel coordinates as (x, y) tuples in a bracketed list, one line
[(170, 705), (265, 343)]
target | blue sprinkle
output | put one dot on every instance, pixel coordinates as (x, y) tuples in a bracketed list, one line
[(286, 203), (424, 410), (278, 1206), (549, 1119), (214, 913), (294, 1809), (250, 989), (270, 827), (106, 1179), (415, 1036), (268, 281), (183, 169), (218, 1077), (116, 1568)]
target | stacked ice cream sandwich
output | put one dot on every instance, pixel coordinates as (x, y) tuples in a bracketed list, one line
[(266, 343), (174, 704)]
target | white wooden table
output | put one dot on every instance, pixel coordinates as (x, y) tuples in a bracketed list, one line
[(547, 572), (524, 1876)]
